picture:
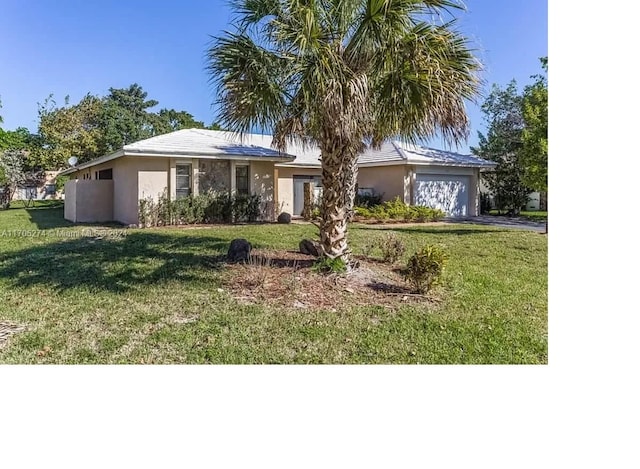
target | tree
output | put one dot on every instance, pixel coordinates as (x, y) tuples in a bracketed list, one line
[(503, 144), (170, 120), (69, 131), (342, 74), (535, 134), (14, 175), (125, 116)]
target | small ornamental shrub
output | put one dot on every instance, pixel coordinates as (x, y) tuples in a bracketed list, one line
[(368, 200), (204, 208), (425, 267), (326, 265), (392, 248), (397, 210)]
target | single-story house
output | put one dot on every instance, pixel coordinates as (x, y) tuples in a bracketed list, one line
[(44, 189), (418, 175), (191, 161)]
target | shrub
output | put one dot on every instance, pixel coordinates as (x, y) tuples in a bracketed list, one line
[(396, 209), (425, 267), (204, 208), (368, 200), (392, 248), (326, 265)]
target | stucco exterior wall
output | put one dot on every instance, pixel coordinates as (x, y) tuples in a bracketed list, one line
[(285, 186), (70, 200), (390, 181), (262, 183), (89, 201)]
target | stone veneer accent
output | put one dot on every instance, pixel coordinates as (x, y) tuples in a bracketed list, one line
[(214, 175)]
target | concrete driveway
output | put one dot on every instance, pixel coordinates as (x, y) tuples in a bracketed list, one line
[(499, 221)]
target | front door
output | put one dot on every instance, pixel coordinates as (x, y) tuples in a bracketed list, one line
[(298, 191)]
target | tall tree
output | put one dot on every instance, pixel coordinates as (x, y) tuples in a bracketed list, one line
[(503, 144), (126, 117), (339, 73), (169, 120), (69, 131), (535, 134)]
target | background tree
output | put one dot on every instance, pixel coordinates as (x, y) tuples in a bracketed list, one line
[(339, 74), (97, 126), (170, 120), (14, 174), (503, 144), (125, 116), (535, 134), (69, 131)]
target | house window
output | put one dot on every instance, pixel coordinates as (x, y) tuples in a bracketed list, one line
[(242, 180), (50, 189), (105, 174), (183, 180)]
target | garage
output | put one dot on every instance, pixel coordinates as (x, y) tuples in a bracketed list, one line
[(449, 193)]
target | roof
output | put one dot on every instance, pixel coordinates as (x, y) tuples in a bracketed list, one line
[(390, 153), (202, 143), (199, 143)]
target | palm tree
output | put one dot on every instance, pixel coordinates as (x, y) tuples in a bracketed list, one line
[(342, 74)]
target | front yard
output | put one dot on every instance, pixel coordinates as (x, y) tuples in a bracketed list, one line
[(87, 295)]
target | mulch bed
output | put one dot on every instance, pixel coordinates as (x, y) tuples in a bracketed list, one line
[(286, 279)]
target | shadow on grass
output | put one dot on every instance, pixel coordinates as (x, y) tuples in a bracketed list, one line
[(52, 216), (112, 264)]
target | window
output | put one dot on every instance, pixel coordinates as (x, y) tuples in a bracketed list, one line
[(183, 180), (105, 174), (242, 180), (50, 189)]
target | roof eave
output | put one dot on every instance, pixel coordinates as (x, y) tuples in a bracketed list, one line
[(89, 164)]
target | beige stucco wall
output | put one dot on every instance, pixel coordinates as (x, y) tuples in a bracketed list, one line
[(390, 181), (262, 181), (70, 200), (136, 178), (285, 186), (89, 201)]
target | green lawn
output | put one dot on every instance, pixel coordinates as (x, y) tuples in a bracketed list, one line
[(155, 296), (538, 215)]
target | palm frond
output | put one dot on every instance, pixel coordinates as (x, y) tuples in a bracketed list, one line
[(251, 83)]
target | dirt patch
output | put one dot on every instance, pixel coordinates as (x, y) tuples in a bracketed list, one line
[(286, 279)]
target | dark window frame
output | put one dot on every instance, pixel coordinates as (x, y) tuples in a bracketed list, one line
[(184, 190), (242, 189)]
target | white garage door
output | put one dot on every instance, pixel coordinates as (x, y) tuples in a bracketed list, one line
[(448, 193)]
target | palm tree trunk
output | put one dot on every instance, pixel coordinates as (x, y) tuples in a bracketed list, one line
[(338, 183), (350, 184)]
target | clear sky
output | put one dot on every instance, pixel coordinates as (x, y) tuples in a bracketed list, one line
[(74, 47)]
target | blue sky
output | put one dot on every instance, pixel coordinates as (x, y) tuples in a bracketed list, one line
[(72, 47)]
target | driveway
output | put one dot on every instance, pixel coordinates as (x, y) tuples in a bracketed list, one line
[(503, 222)]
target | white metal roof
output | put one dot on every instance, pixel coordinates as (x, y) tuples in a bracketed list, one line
[(202, 142), (390, 153), (220, 144)]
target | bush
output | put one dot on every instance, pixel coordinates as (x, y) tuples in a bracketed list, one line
[(368, 200), (204, 208), (396, 209), (392, 248), (326, 265), (425, 267)]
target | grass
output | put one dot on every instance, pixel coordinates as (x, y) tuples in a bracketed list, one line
[(531, 215), (86, 295)]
